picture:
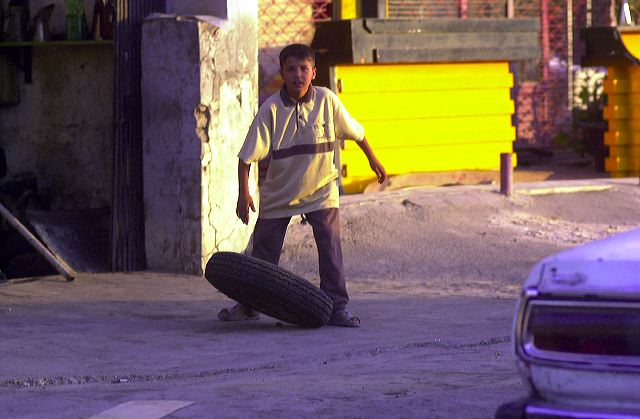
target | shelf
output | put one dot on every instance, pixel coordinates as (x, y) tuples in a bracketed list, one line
[(53, 43), (20, 52)]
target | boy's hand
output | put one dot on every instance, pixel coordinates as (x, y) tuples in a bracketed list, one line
[(375, 165), (378, 169), (244, 198), (242, 209)]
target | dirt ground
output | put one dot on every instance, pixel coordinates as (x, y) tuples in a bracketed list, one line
[(433, 273), (466, 241)]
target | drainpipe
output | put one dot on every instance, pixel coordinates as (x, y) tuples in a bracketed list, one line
[(570, 54), (511, 9), (544, 12)]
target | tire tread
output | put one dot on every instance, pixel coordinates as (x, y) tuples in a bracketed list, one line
[(269, 289)]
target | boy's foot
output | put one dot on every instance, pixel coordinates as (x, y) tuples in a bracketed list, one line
[(238, 313), (343, 319)]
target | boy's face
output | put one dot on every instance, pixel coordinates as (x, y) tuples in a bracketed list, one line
[(297, 75)]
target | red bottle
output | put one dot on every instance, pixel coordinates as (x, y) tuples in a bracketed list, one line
[(104, 14)]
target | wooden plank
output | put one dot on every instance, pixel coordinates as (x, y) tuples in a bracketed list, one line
[(387, 81), (439, 25), (623, 137), (387, 134), (452, 41), (434, 117), (413, 105), (623, 99), (623, 125), (58, 264), (621, 112), (631, 41), (620, 71), (357, 184), (403, 37), (621, 164), (625, 152), (621, 85), (428, 158), (400, 71), (456, 126), (468, 53)]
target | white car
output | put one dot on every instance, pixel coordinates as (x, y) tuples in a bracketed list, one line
[(577, 333)]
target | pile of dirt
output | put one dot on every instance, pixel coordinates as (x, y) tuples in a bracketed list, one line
[(426, 241)]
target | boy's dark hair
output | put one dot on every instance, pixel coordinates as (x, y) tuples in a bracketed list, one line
[(299, 51)]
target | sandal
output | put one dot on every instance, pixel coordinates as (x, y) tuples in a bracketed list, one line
[(343, 319), (238, 313)]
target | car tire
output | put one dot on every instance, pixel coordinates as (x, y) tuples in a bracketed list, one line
[(269, 289)]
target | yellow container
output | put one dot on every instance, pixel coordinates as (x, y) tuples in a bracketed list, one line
[(427, 117)]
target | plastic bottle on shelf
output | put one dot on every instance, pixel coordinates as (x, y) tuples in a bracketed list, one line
[(108, 19), (97, 12), (76, 24)]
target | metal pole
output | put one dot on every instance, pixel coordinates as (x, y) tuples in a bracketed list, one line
[(506, 174), (589, 13), (545, 95), (128, 253), (544, 12)]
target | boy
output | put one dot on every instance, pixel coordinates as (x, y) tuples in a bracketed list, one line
[(298, 128)]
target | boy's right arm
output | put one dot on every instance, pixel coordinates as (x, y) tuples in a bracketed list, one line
[(244, 198)]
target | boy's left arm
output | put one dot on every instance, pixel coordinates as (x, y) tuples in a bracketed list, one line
[(375, 165), (348, 128)]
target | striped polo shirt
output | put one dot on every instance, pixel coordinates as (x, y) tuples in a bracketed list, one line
[(301, 138)]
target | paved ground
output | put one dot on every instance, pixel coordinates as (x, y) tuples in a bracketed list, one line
[(433, 273), (413, 358)]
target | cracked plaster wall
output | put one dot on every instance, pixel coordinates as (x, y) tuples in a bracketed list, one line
[(62, 129), (200, 93)]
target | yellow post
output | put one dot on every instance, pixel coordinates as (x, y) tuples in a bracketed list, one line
[(506, 174), (345, 9), (352, 9)]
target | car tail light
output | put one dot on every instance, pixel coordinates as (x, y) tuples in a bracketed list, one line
[(582, 331)]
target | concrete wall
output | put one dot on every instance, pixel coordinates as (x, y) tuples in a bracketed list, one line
[(62, 129), (198, 7), (199, 86)]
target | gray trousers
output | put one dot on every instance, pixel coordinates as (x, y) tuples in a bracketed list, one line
[(268, 238)]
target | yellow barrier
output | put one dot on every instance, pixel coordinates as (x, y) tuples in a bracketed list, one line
[(631, 41), (427, 117)]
